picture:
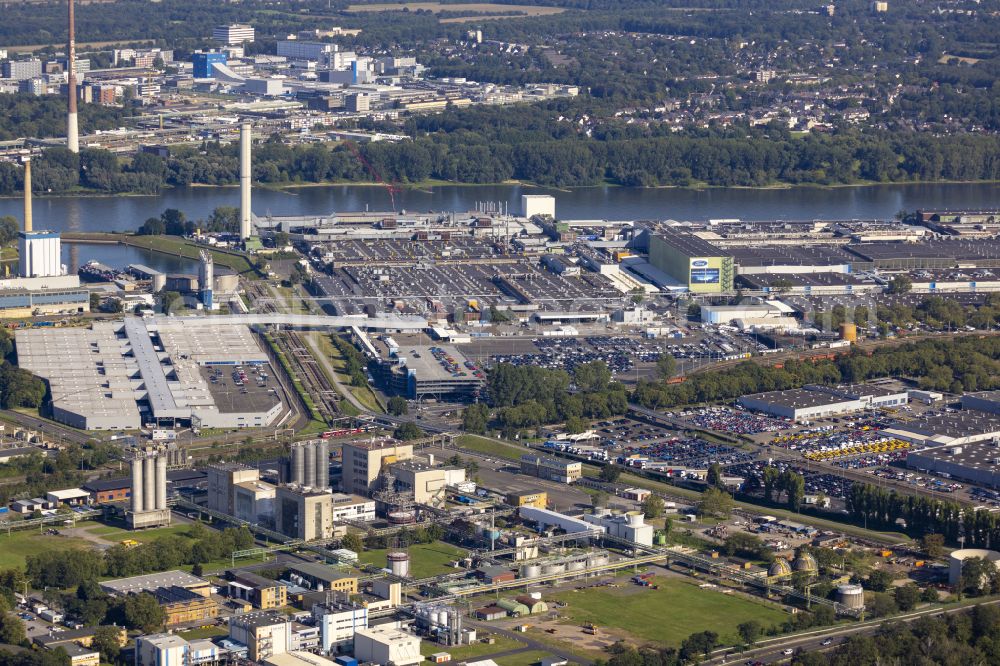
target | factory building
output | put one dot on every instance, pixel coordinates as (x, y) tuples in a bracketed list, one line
[(254, 501), (122, 375), (265, 633), (552, 469), (172, 650), (538, 204), (322, 578), (206, 280), (442, 372), (347, 508), (693, 262), (303, 512), (545, 519), (801, 404), (362, 462), (222, 481), (338, 621), (426, 482), (966, 426), (385, 645), (629, 526), (263, 593), (976, 462), (984, 401), (149, 489)]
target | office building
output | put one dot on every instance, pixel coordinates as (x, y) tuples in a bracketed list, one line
[(303, 513), (691, 261), (362, 462), (352, 508), (385, 645), (295, 49), (172, 650), (232, 35), (20, 70), (338, 621), (265, 633), (358, 102), (204, 63), (552, 469)]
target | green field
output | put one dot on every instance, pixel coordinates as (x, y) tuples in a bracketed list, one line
[(527, 658), (18, 545), (474, 651), (492, 447), (668, 615), (198, 633), (114, 534), (426, 559)]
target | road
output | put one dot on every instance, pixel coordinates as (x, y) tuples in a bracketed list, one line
[(529, 642), (771, 650)]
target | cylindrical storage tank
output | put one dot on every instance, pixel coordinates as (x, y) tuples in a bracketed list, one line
[(309, 456), (322, 466), (531, 571), (576, 565), (402, 517), (398, 563), (493, 535), (298, 465), (555, 568), (161, 481), (227, 283), (635, 519), (849, 332), (137, 485), (852, 596), (158, 282), (148, 484), (958, 556), (660, 539)]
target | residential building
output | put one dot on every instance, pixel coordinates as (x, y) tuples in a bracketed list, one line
[(20, 70)]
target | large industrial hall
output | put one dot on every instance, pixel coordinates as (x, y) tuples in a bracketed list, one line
[(124, 375)]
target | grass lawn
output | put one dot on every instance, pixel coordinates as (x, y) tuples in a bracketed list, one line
[(476, 650), (523, 658), (668, 615), (364, 394), (175, 245), (18, 545), (198, 633), (492, 447), (116, 534), (426, 559)]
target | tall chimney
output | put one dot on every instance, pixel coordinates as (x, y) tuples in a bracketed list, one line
[(27, 195), (72, 130), (245, 170)]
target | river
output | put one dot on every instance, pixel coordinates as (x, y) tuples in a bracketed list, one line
[(613, 203)]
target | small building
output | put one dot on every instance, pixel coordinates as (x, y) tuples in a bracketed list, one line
[(636, 494), (69, 496), (552, 469), (534, 606), (263, 593), (536, 498), (492, 612), (514, 608), (322, 578), (440, 657), (109, 490), (493, 575)]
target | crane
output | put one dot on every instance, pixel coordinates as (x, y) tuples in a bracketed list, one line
[(391, 188)]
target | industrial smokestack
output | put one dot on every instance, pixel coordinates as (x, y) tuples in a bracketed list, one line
[(245, 172), (27, 195), (72, 129)]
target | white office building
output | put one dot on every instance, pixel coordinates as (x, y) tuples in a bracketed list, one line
[(233, 35), (295, 49), (338, 622), (385, 645)]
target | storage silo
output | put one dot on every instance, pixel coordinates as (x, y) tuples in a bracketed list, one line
[(322, 480), (851, 596), (298, 471), (530, 571), (309, 456), (398, 563)]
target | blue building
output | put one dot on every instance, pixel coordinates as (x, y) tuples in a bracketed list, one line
[(203, 64)]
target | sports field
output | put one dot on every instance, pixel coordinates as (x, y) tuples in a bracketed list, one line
[(426, 559), (668, 615)]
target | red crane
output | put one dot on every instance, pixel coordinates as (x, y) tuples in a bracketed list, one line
[(391, 188)]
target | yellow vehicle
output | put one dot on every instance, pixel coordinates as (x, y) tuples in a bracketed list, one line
[(129, 543)]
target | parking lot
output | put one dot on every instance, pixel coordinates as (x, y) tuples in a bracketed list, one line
[(731, 420), (242, 388)]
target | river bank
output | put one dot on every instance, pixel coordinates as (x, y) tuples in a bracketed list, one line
[(172, 246)]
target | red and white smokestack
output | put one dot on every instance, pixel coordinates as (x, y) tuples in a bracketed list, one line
[(72, 127)]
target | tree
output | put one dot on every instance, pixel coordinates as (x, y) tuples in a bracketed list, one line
[(610, 473), (714, 476), (353, 541), (106, 641), (576, 425), (750, 631), (700, 643), (398, 406), (666, 366), (8, 229), (95, 301), (906, 596), (599, 499), (900, 284), (197, 569), (475, 418), (590, 377), (12, 629), (653, 506), (933, 545), (715, 502), (408, 431), (882, 605), (879, 580), (142, 611)]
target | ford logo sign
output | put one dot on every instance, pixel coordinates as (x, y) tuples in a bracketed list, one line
[(699, 263)]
